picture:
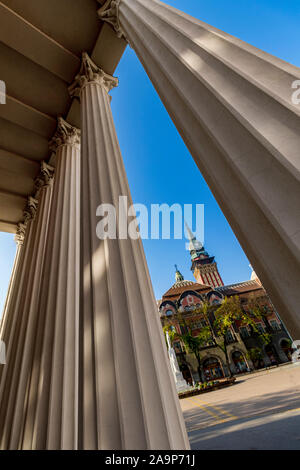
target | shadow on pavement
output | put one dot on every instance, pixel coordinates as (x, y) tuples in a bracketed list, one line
[(259, 423)]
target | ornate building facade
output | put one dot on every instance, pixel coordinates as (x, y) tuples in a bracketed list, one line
[(184, 298), (79, 375)]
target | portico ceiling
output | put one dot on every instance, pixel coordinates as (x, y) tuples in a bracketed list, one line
[(41, 43)]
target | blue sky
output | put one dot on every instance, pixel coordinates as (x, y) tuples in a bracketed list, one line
[(158, 165)]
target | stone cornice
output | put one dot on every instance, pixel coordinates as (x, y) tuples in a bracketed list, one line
[(90, 73), (109, 13), (65, 134)]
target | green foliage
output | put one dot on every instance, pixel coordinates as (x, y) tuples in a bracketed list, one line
[(172, 333), (194, 343), (265, 338), (205, 336), (255, 354), (206, 385), (225, 316), (229, 311)]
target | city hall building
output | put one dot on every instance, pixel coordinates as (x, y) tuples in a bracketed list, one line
[(86, 363), (184, 300)]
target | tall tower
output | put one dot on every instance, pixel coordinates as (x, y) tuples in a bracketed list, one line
[(204, 267)]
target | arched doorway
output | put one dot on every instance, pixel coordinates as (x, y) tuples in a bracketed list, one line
[(212, 369), (239, 362), (272, 354), (286, 348)]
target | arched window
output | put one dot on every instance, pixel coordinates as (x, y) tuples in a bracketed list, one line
[(212, 369), (239, 362)]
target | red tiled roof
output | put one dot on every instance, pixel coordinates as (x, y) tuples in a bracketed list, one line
[(234, 289), (182, 286), (240, 288)]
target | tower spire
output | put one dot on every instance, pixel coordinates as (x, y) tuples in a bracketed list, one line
[(194, 244), (178, 276), (204, 266)]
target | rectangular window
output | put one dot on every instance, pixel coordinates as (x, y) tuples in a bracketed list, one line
[(275, 325), (183, 329), (244, 332), (260, 328), (199, 324), (229, 337)]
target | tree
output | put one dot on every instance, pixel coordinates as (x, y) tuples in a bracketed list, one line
[(255, 355), (230, 311), (225, 316), (219, 321), (257, 309), (172, 333), (195, 343), (192, 343)]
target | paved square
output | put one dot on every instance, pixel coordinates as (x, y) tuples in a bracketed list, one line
[(260, 411)]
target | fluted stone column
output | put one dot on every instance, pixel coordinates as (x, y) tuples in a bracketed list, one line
[(39, 384), (128, 398), (53, 392), (17, 279), (18, 329), (232, 105)]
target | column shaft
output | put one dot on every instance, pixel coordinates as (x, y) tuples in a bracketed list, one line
[(19, 327), (232, 105), (39, 395), (128, 395), (53, 393)]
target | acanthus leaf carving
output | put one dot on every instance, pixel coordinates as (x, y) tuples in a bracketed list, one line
[(45, 176), (28, 215), (20, 233), (109, 13), (90, 72), (65, 134), (30, 209)]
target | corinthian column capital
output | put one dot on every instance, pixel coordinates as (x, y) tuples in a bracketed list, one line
[(65, 134), (45, 176), (20, 233), (109, 13), (28, 215), (90, 73), (30, 209)]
